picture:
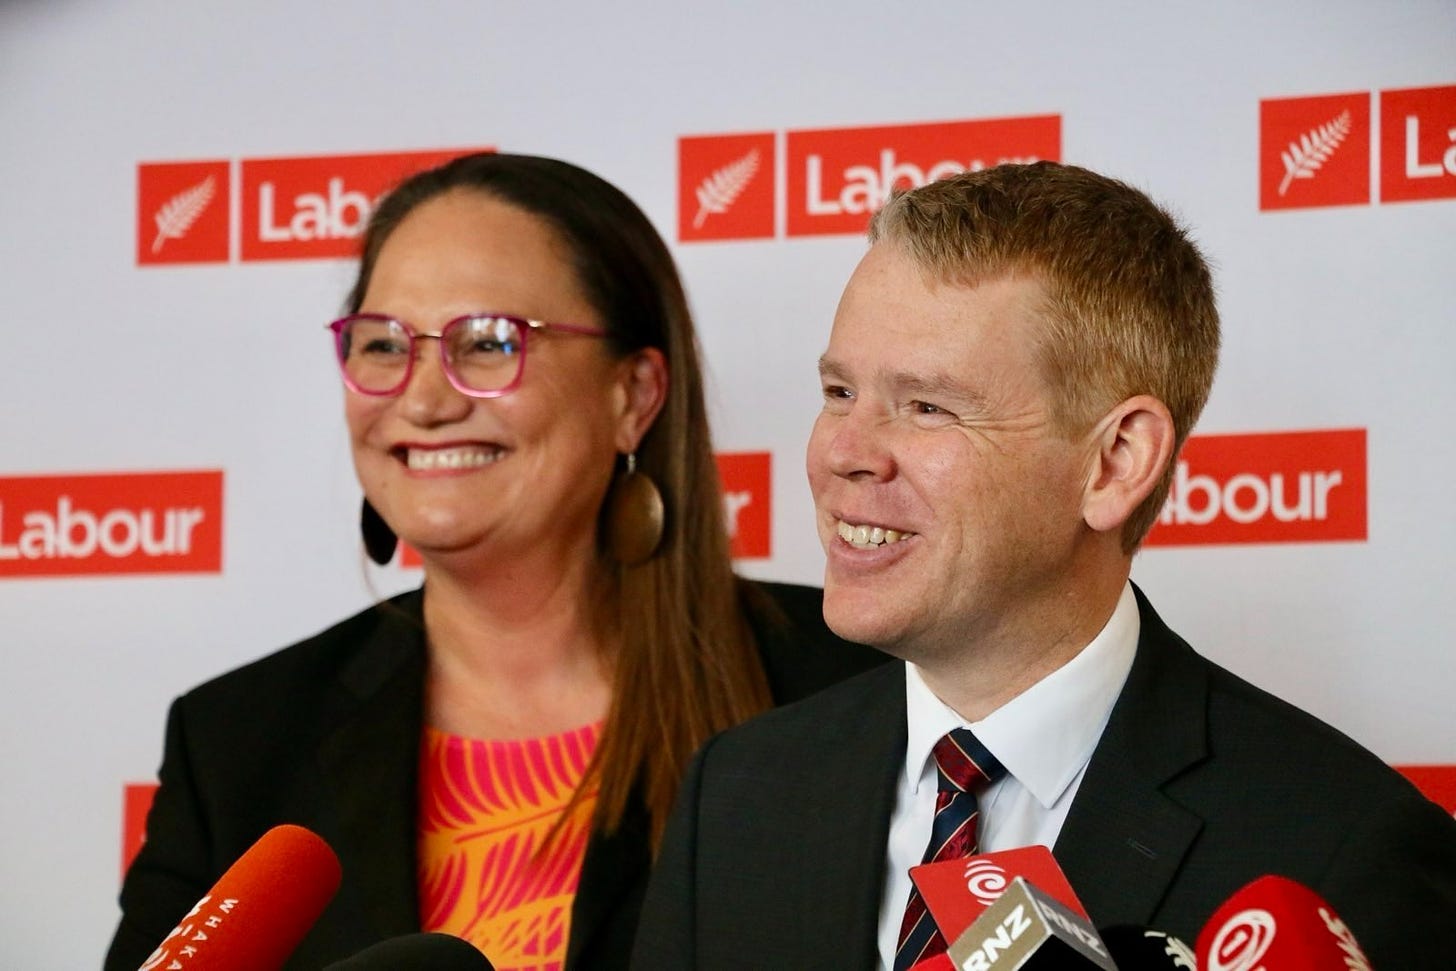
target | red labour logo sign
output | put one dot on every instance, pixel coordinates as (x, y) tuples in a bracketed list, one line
[(1314, 151), (312, 208), (308, 207), (837, 177), (726, 186), (1270, 487), (86, 525), (136, 802), (1418, 144), (182, 212), (747, 502)]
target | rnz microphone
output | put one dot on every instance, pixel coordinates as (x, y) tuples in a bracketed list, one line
[(258, 911), (1141, 949), (956, 892), (1028, 930), (1276, 924), (416, 952)]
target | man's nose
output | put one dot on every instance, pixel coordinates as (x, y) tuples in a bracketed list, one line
[(854, 445)]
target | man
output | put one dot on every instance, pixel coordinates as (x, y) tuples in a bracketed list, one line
[(1012, 370)]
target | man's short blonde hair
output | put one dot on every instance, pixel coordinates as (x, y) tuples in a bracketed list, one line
[(1129, 299)]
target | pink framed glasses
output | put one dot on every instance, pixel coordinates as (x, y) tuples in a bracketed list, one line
[(483, 354)]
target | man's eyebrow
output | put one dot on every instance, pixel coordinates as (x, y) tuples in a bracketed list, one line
[(932, 384)]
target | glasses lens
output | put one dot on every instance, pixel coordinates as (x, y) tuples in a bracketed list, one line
[(484, 352), (374, 353)]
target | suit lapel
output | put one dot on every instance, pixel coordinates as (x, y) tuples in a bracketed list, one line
[(845, 822), (369, 766), (1124, 840), (613, 879)]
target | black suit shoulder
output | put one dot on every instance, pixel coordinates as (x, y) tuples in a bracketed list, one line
[(307, 681), (1242, 727), (1282, 755), (1203, 782), (259, 746), (1317, 806), (258, 721), (868, 704), (1268, 736), (774, 856), (800, 654), (357, 650)]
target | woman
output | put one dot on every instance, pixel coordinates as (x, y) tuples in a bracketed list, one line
[(495, 755)]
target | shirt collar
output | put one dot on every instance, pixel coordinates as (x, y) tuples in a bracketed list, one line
[(1045, 735)]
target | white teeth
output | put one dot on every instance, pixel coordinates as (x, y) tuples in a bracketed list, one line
[(467, 457), (869, 537)]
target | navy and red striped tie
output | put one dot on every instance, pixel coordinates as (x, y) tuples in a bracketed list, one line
[(964, 767)]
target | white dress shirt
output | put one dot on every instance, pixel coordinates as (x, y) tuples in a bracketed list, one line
[(1044, 736)]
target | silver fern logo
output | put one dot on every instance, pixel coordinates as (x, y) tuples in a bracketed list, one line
[(717, 193), (1303, 158), (177, 214)]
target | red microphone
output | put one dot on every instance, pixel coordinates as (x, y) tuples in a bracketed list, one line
[(1009, 909), (258, 911), (1276, 924), (956, 892)]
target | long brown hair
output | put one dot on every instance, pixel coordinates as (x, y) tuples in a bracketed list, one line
[(687, 665)]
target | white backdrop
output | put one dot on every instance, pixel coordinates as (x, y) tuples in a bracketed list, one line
[(1336, 317)]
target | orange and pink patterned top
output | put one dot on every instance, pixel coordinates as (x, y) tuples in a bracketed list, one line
[(486, 807)]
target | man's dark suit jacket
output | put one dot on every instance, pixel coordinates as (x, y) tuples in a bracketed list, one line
[(775, 853), (326, 734)]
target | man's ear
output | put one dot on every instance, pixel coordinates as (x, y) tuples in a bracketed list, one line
[(644, 387), (1133, 444)]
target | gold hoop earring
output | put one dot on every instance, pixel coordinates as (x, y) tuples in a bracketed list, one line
[(634, 516), (379, 540)]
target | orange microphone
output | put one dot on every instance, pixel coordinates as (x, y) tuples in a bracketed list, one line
[(258, 911)]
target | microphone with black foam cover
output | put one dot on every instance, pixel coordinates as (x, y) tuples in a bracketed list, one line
[(1029, 930), (1278, 924), (258, 911), (1143, 949), (416, 952)]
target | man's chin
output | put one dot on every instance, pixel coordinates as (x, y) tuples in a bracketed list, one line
[(861, 619)]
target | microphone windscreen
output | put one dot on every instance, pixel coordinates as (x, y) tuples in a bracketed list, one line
[(956, 892), (258, 911), (1141, 949), (1278, 924), (432, 952)]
